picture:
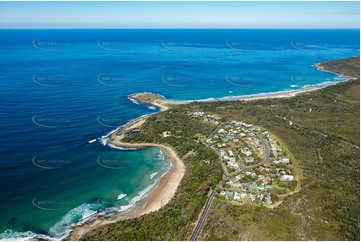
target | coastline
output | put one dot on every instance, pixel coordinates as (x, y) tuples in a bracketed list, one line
[(252, 97), (168, 184), (278, 94), (161, 194)]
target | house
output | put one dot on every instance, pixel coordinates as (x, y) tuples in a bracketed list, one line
[(233, 165), (249, 160), (198, 114), (285, 160), (228, 138), (261, 177), (239, 176), (236, 196), (248, 173), (223, 193), (229, 194), (253, 186), (268, 187), (230, 153), (268, 200), (257, 129), (243, 195), (248, 153), (245, 186), (266, 180), (221, 131), (286, 178), (166, 134), (253, 175), (260, 187)]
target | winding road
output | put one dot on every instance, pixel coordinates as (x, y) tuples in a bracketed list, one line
[(203, 217)]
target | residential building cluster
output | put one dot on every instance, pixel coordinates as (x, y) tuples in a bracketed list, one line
[(257, 170)]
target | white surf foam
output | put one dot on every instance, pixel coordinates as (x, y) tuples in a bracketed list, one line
[(78, 215), (153, 175), (119, 148), (12, 235), (134, 101), (134, 200), (92, 141), (121, 195)]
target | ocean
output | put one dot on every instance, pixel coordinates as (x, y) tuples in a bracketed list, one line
[(63, 91)]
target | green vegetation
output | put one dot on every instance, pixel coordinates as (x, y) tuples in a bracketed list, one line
[(323, 142)]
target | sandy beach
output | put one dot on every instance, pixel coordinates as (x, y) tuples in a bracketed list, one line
[(281, 94), (284, 94), (169, 183), (160, 196)]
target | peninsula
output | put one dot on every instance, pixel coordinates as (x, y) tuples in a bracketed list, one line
[(312, 142)]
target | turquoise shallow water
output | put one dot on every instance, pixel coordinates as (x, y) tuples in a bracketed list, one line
[(62, 90)]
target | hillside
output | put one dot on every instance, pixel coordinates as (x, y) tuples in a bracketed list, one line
[(320, 129)]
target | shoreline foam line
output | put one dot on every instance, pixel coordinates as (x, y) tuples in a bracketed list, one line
[(150, 201)]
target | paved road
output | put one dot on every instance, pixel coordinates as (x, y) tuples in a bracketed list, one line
[(265, 161), (215, 130), (203, 217), (243, 167)]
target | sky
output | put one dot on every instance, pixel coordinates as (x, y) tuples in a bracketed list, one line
[(179, 14)]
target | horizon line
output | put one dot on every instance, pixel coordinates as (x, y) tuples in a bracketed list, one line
[(176, 28)]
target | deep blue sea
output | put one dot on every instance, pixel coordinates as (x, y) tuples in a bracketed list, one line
[(61, 91)]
